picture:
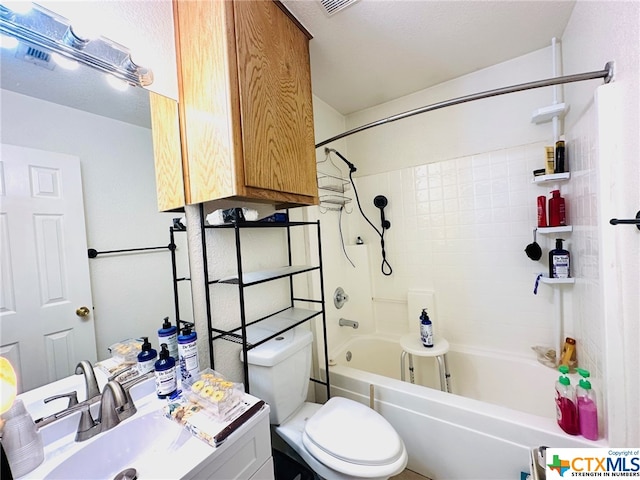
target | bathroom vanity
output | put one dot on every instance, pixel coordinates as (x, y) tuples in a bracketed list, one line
[(154, 445)]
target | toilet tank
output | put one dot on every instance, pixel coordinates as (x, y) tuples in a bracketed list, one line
[(279, 370)]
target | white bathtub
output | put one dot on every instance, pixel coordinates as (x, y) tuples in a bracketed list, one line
[(448, 436)]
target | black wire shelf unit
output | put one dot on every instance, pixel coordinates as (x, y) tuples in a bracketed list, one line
[(248, 334)]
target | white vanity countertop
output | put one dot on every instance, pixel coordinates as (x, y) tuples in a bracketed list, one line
[(187, 453)]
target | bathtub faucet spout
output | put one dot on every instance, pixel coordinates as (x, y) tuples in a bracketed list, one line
[(343, 322)]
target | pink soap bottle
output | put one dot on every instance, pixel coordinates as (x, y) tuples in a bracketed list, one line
[(566, 411), (587, 407)]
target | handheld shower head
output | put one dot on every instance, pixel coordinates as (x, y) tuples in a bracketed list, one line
[(380, 201)]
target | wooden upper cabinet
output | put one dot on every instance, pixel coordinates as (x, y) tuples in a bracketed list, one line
[(245, 104)]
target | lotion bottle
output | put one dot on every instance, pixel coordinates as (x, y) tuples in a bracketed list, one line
[(188, 353), (166, 380), (587, 407), (147, 357), (566, 411), (426, 329), (169, 334), (559, 261)]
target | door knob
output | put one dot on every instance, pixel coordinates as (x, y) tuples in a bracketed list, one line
[(83, 312)]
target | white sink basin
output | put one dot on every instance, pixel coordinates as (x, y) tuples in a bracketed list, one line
[(145, 443)]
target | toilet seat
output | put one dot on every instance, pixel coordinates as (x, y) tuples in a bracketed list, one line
[(349, 438)]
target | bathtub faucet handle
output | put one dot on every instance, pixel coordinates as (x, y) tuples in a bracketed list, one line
[(343, 322), (340, 297)]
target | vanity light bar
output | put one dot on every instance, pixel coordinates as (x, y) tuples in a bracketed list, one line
[(47, 30)]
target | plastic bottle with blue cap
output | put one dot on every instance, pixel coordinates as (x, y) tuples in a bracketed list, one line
[(147, 357), (169, 334), (165, 368), (426, 329), (188, 353)]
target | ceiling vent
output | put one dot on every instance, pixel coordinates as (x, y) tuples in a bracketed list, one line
[(332, 7), (34, 55)]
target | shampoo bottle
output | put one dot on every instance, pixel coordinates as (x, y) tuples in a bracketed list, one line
[(566, 411), (557, 210), (188, 353), (169, 334), (147, 357), (166, 381), (560, 157), (559, 261), (426, 329), (587, 407)]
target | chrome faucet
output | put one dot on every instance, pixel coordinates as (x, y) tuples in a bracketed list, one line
[(115, 406), (85, 368), (343, 322)]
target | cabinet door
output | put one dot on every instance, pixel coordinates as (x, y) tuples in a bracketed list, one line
[(165, 130), (274, 82)]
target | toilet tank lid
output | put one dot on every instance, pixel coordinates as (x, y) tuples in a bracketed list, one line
[(277, 349)]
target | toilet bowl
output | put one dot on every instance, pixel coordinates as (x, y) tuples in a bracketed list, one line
[(342, 439)]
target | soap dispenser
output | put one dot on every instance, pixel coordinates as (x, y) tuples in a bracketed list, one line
[(566, 412), (587, 407), (147, 357), (426, 329), (166, 380), (188, 353), (169, 334), (559, 261)]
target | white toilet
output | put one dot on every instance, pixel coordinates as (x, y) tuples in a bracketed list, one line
[(341, 439)]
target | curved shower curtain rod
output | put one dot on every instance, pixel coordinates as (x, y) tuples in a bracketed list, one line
[(606, 74)]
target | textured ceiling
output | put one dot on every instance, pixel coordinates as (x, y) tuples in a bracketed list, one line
[(370, 52), (376, 50)]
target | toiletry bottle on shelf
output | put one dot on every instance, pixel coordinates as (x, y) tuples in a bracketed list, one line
[(550, 165), (542, 211), (169, 334), (559, 261), (188, 353), (147, 357), (166, 380), (426, 329), (560, 157), (569, 357), (566, 412), (557, 210), (587, 407)]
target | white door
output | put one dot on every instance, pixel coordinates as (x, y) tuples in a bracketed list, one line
[(45, 269)]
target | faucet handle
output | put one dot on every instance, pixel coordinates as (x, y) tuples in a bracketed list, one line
[(72, 396)]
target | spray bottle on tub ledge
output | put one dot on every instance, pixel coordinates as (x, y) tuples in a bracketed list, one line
[(566, 410)]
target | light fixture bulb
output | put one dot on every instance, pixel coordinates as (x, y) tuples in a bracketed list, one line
[(7, 42), (8, 385), (118, 84), (64, 62)]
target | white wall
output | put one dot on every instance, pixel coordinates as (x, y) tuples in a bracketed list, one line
[(462, 208), (599, 32), (131, 293)]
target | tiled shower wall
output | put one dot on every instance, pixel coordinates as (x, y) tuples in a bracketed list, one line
[(460, 226)]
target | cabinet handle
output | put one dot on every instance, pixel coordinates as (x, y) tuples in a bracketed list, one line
[(632, 221)]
